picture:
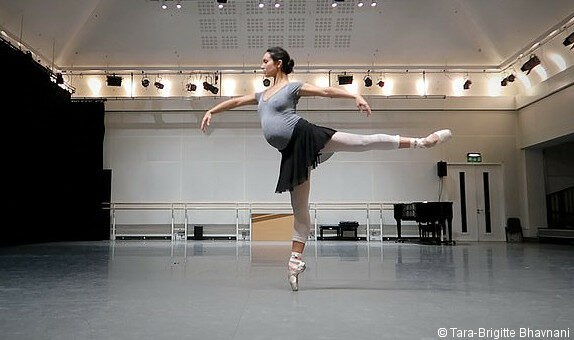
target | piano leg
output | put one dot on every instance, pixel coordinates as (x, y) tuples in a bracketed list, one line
[(449, 225)]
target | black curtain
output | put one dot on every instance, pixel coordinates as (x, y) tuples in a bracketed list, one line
[(54, 157)]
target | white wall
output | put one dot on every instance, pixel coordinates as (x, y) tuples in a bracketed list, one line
[(546, 119), (164, 157)]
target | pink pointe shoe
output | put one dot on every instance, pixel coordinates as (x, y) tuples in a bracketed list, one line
[(296, 267), (433, 139)]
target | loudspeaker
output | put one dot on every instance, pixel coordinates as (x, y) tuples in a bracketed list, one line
[(441, 168), (198, 232)]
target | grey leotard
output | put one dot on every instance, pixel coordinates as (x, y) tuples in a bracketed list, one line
[(277, 114)]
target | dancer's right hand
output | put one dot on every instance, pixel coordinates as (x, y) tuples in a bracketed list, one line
[(205, 121)]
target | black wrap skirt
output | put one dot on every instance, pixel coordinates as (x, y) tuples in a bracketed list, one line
[(301, 153)]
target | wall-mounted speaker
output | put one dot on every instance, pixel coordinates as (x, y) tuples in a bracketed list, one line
[(441, 169)]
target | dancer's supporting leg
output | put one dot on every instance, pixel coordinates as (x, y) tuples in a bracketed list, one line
[(343, 141), (302, 225)]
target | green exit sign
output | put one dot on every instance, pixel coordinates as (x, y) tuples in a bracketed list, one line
[(474, 157)]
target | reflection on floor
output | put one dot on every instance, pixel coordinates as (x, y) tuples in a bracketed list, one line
[(239, 290)]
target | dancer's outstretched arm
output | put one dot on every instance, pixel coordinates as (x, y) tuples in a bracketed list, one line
[(226, 105), (335, 92)]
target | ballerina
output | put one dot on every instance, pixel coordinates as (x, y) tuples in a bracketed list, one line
[(304, 145)]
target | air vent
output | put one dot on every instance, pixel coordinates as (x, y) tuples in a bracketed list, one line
[(342, 41), (322, 41), (323, 25), (296, 41), (208, 42), (344, 24), (297, 25)]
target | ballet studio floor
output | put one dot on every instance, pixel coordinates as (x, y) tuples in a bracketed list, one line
[(239, 290)]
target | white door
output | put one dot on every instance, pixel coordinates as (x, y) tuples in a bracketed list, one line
[(478, 202)]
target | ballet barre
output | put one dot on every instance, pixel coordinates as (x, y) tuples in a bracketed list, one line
[(251, 207)]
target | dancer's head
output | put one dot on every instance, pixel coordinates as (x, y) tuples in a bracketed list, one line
[(276, 60)]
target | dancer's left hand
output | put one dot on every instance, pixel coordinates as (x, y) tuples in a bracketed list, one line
[(363, 105)]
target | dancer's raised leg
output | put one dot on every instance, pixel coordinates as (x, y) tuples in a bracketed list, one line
[(343, 141), (302, 226)]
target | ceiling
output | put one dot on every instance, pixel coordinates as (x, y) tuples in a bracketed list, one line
[(138, 33)]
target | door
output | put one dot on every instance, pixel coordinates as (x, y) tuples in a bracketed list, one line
[(478, 202)]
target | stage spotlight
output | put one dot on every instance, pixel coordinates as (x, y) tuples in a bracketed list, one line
[(345, 79), (220, 3), (191, 87), (360, 4), (163, 5), (368, 81), (266, 82), (208, 87), (158, 85), (277, 5), (334, 4), (59, 79), (373, 4), (145, 82), (504, 82), (178, 5), (511, 78), (569, 40), (381, 83), (114, 81), (467, 84), (530, 64), (261, 4)]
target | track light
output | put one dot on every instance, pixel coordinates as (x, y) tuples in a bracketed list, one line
[(178, 5), (158, 85), (530, 64), (373, 4), (504, 82), (368, 81), (191, 87), (381, 83), (467, 84), (511, 78), (336, 3), (220, 3), (145, 82), (345, 79), (261, 4), (360, 4), (266, 82), (277, 5), (163, 5), (208, 87), (114, 81), (59, 79), (569, 40)]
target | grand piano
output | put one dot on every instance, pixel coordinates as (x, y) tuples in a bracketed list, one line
[(434, 219)]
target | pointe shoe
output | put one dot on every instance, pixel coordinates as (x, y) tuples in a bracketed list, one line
[(430, 141), (296, 267), (443, 135)]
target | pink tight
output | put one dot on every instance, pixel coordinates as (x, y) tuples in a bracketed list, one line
[(340, 141)]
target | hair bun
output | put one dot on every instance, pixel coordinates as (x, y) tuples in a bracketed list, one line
[(290, 65)]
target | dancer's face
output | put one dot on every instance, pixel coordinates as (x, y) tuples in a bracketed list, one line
[(269, 66)]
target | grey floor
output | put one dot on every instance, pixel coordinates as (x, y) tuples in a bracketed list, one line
[(239, 290)]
